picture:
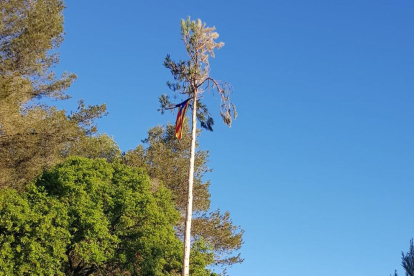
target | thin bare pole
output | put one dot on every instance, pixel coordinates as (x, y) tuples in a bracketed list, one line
[(189, 214)]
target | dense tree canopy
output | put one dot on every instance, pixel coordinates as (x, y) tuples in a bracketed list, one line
[(33, 233), (88, 217)]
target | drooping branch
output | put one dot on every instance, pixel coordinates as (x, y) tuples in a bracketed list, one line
[(227, 108)]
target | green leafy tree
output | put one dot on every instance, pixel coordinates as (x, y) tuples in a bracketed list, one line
[(201, 256), (89, 217), (33, 233), (117, 223), (33, 135)]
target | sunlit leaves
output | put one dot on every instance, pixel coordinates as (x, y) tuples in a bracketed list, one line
[(87, 216)]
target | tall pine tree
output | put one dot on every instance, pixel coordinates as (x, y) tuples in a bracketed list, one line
[(192, 78), (33, 136)]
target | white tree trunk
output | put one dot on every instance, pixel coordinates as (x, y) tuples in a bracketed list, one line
[(189, 214)]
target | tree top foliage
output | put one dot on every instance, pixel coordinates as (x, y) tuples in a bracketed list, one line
[(192, 76), (407, 261), (30, 30)]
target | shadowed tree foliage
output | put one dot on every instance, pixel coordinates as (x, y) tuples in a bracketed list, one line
[(93, 147), (33, 135), (166, 161), (407, 261)]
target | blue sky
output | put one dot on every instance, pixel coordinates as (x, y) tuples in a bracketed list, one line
[(318, 167)]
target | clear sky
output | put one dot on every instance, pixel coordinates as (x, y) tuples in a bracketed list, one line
[(318, 167)]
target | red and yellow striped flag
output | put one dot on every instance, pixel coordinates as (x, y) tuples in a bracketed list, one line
[(182, 109)]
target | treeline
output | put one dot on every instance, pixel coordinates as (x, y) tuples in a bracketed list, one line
[(71, 203)]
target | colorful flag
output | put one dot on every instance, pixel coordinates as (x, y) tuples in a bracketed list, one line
[(182, 109)]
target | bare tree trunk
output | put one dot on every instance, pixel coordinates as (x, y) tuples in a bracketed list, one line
[(189, 214)]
